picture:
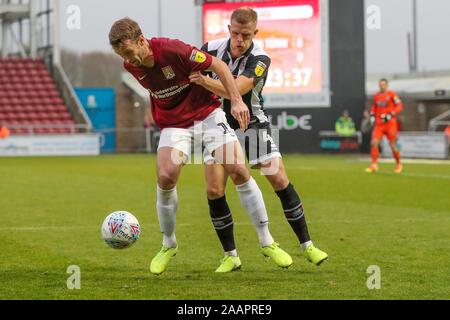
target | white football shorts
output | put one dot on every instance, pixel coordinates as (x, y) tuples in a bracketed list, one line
[(201, 139)]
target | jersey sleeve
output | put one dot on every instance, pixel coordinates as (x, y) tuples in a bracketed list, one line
[(205, 49), (192, 58), (257, 68), (374, 104), (398, 104)]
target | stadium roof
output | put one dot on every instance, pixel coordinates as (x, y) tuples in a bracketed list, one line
[(423, 85)]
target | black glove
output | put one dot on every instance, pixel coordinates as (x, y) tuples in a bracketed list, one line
[(385, 117), (372, 119)]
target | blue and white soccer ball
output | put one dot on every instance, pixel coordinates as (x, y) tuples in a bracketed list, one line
[(120, 229)]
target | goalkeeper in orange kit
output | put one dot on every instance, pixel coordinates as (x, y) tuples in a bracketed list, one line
[(386, 106)]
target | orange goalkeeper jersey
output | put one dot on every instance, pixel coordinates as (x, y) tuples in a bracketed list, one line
[(387, 102), (4, 132)]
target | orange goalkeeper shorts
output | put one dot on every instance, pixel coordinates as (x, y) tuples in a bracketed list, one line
[(389, 129)]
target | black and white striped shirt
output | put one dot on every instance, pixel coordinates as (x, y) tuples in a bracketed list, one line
[(253, 64)]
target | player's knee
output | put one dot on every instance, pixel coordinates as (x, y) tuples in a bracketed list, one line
[(167, 180), (215, 192), (278, 181), (393, 145), (238, 173)]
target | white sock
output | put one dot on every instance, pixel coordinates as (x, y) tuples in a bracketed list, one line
[(253, 202), (306, 244), (231, 253), (166, 205)]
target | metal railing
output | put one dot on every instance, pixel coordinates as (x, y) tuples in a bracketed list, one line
[(439, 121), (70, 98)]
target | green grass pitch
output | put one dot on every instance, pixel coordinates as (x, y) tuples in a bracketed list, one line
[(52, 210)]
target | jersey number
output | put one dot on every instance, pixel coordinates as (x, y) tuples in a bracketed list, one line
[(225, 127)]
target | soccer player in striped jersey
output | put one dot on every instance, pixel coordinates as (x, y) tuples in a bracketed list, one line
[(249, 64)]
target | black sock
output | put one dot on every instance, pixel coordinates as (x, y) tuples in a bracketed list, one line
[(293, 210), (223, 222)]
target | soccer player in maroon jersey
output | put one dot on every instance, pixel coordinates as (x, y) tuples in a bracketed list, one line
[(181, 110)]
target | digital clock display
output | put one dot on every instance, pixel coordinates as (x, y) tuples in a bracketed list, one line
[(291, 33)]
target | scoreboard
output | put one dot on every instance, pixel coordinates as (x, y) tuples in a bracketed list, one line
[(295, 36)]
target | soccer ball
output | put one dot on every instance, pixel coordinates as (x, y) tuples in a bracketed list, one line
[(120, 229)]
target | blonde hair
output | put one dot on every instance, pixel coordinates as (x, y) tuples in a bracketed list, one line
[(244, 15)]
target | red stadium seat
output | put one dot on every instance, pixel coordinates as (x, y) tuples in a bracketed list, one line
[(8, 108), (29, 96)]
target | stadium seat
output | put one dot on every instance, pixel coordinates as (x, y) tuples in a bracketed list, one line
[(29, 96)]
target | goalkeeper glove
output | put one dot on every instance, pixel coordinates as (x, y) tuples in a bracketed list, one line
[(372, 119), (386, 117)]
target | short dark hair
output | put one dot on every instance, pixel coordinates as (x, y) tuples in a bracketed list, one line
[(244, 15), (123, 30), (384, 80)]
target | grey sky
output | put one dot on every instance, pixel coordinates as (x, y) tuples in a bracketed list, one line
[(386, 49)]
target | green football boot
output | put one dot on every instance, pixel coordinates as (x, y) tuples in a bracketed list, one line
[(162, 259), (278, 255), (315, 255), (229, 264)]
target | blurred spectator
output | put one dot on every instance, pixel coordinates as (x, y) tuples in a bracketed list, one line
[(4, 131), (147, 122), (447, 132), (366, 130), (344, 125)]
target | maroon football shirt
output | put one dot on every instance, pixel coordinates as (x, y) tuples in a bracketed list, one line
[(175, 102)]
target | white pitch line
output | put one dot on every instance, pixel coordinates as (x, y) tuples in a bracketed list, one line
[(419, 175), (64, 228), (410, 161), (381, 172)]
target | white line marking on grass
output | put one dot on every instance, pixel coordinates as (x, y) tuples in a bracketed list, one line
[(65, 228), (410, 161), (45, 228), (412, 174), (381, 172)]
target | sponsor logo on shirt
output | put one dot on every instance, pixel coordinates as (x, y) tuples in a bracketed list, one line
[(169, 92), (168, 72), (197, 56)]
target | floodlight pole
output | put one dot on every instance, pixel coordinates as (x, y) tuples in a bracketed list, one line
[(159, 19), (56, 33), (415, 47)]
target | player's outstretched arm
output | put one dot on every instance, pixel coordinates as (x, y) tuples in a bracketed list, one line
[(243, 83), (238, 108)]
